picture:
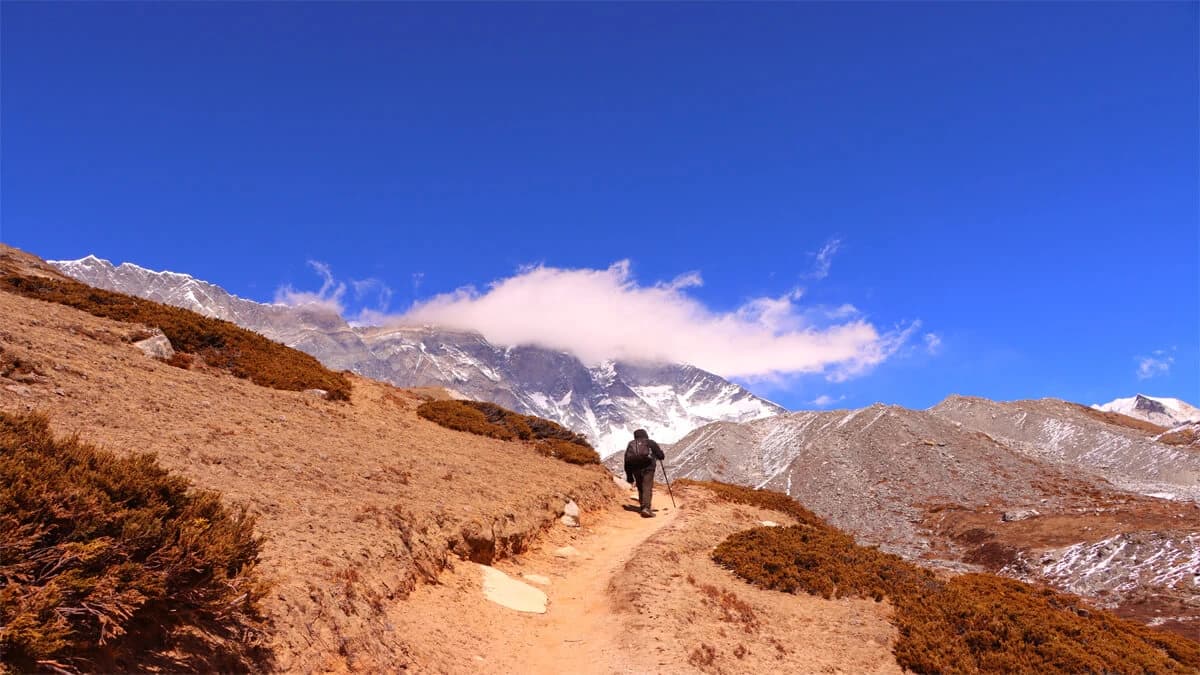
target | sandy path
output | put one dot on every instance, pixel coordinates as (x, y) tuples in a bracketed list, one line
[(451, 628), (581, 628)]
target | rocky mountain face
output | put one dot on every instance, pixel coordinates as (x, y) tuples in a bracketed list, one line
[(605, 402), (1038, 490), (1165, 412)]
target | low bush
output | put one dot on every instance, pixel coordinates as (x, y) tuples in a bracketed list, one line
[(568, 452), (112, 564), (965, 624), (488, 419), (221, 344)]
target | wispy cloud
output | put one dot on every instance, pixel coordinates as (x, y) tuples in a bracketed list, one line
[(328, 297), (933, 343), (824, 259), (600, 314), (825, 400), (1158, 363)]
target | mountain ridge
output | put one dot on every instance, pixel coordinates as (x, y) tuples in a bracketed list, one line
[(605, 402)]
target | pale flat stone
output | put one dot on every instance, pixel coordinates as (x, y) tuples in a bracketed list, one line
[(571, 509), (537, 579), (505, 591), (566, 552), (569, 521), (770, 523)]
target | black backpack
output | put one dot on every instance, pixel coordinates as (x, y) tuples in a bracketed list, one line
[(638, 452)]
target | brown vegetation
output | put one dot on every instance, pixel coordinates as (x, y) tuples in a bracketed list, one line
[(969, 623), (221, 344), (1120, 420), (1185, 436), (488, 419), (114, 564)]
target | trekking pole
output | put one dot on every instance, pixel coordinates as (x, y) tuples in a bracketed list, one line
[(664, 468)]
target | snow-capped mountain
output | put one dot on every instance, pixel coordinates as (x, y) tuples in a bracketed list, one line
[(1165, 412), (605, 402)]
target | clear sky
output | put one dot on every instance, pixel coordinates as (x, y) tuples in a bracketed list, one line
[(1005, 193)]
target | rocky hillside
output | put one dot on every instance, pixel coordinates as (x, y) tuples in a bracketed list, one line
[(1033, 489), (604, 402)]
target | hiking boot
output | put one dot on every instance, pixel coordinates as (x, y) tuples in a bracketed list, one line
[(646, 513)]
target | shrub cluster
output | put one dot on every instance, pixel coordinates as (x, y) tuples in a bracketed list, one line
[(966, 624), (112, 564), (572, 453), (221, 344), (488, 419)]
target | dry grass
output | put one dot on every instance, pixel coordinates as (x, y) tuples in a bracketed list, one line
[(493, 421), (113, 564), (220, 344), (1185, 436), (1120, 420), (967, 624)]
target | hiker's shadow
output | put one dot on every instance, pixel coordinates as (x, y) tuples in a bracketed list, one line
[(631, 507)]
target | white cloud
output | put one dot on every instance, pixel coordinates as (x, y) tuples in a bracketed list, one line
[(1159, 363), (329, 297), (933, 343), (824, 259), (364, 288), (825, 400), (606, 314)]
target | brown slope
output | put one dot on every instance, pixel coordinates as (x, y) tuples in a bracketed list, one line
[(359, 501)]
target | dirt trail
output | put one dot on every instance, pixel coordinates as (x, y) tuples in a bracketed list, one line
[(581, 624), (453, 629)]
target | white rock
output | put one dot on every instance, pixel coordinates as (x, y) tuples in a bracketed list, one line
[(505, 591), (319, 393), (1020, 514), (571, 509), (770, 523), (537, 579), (566, 552), (569, 521), (156, 346)]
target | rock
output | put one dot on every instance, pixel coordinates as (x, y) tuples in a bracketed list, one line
[(1020, 514), (505, 591), (157, 346), (566, 552), (621, 482), (571, 509), (319, 393), (770, 523), (537, 579), (569, 521)]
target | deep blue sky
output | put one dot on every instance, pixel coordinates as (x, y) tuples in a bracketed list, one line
[(1021, 178)]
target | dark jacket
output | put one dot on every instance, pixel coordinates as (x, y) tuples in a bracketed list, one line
[(655, 453)]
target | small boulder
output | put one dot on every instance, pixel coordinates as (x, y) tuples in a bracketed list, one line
[(157, 346), (566, 552), (569, 521), (319, 393), (1020, 514), (770, 523)]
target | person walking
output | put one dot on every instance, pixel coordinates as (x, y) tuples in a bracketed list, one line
[(640, 456)]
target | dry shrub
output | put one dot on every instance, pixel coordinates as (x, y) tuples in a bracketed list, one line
[(488, 419), (221, 344), (113, 564), (1117, 419), (1185, 436), (967, 624), (180, 360), (568, 452), (11, 364)]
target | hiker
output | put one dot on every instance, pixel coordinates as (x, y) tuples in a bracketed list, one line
[(639, 467)]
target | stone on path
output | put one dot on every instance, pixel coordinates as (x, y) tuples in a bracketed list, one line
[(566, 552), (508, 592), (570, 516), (537, 579)]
